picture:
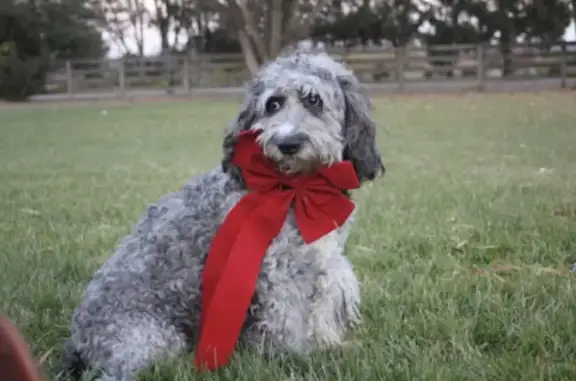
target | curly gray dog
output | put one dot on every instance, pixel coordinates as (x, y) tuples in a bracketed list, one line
[(143, 304)]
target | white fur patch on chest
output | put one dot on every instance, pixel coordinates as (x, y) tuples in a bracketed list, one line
[(333, 243), (328, 245)]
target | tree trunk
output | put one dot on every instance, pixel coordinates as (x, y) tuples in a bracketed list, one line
[(162, 23), (163, 28), (140, 29), (247, 23), (275, 28), (505, 50), (253, 48), (574, 15), (140, 39), (507, 36), (137, 19), (288, 19), (252, 62)]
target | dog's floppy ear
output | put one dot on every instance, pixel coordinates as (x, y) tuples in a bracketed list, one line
[(359, 131), (242, 122)]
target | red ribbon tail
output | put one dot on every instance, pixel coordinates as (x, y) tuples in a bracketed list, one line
[(226, 311), (220, 249)]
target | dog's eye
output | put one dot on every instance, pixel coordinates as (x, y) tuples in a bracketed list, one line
[(314, 100), (273, 104)]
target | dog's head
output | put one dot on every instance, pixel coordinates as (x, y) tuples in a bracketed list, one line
[(310, 112)]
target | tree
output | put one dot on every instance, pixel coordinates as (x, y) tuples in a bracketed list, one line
[(502, 20), (402, 19), (69, 28), (546, 21), (124, 19), (24, 59), (396, 21), (263, 27), (33, 34), (359, 25)]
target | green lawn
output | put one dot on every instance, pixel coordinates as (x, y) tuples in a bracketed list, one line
[(464, 248)]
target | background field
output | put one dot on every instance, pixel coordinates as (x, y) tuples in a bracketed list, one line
[(464, 249)]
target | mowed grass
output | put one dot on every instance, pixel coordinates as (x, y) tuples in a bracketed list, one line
[(464, 248)]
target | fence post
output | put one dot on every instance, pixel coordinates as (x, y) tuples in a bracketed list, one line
[(69, 79), (563, 63), (481, 66), (122, 77), (194, 68), (168, 64), (400, 66), (186, 73), (202, 66)]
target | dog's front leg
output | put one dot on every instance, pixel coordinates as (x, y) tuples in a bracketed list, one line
[(312, 311), (306, 298), (335, 306), (279, 328)]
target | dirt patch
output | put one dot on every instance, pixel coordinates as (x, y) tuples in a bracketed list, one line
[(569, 212)]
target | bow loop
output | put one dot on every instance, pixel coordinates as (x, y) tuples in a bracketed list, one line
[(341, 175), (240, 244)]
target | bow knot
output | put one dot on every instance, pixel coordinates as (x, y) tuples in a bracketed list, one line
[(233, 262)]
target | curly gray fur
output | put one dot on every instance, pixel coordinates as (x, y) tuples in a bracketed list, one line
[(143, 304)]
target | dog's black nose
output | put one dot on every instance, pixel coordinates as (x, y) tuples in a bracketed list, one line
[(290, 145), (289, 148)]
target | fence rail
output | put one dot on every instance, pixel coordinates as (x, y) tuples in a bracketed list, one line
[(399, 67)]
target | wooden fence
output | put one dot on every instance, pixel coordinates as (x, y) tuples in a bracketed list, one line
[(399, 67)]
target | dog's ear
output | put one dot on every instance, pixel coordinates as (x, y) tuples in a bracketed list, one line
[(242, 122), (359, 131)]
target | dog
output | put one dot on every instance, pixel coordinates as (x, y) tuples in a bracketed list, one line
[(143, 304)]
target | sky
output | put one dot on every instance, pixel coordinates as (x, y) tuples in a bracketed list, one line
[(152, 42)]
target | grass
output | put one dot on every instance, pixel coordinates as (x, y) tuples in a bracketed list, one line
[(464, 249)]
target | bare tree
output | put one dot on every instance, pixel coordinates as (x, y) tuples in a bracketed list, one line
[(262, 27), (125, 20), (265, 27), (179, 21)]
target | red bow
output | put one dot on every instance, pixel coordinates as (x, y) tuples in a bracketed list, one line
[(234, 260)]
